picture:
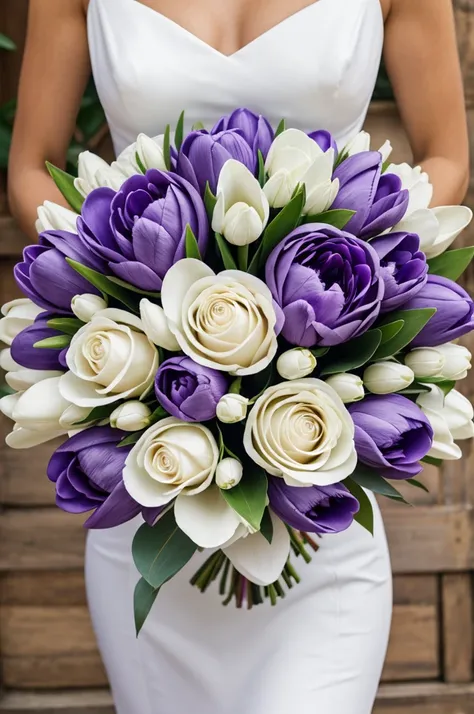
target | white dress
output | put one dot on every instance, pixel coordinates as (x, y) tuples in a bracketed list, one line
[(321, 649)]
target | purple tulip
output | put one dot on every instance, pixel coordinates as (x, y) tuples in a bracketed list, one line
[(378, 199), (188, 390), (202, 156), (255, 128), (404, 268), (30, 357), (141, 229), (392, 435), (328, 284), (313, 509), (44, 275), (324, 140), (454, 315)]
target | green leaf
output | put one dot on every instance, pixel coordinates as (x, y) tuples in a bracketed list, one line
[(140, 164), (143, 600), (158, 415), (224, 250), (97, 414), (256, 384), (249, 497), (414, 322), (65, 183), (261, 169), (372, 481), (68, 325), (6, 43), (210, 201), (266, 527), (54, 343), (353, 354), (283, 223), (192, 248), (337, 218), (431, 461), (235, 386), (197, 126), (417, 484), (167, 148), (132, 288), (280, 128), (179, 133), (451, 264), (446, 385), (390, 330), (130, 440), (107, 286), (319, 351), (365, 516), (159, 552)]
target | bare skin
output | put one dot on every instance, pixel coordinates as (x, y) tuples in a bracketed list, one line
[(427, 83)]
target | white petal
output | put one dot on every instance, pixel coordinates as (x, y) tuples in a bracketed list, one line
[(424, 223), (176, 284), (41, 406), (7, 363), (121, 316), (21, 438), (218, 214), (452, 221), (8, 404), (279, 188), (242, 225), (52, 216), (21, 379), (150, 152), (293, 139), (156, 327), (385, 150), (206, 518)]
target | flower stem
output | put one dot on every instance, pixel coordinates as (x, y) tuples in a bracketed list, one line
[(243, 257), (224, 577), (310, 541), (272, 595)]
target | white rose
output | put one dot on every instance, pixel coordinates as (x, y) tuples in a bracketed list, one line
[(17, 315), (448, 361), (387, 377), (349, 386), (437, 227), (224, 321), (302, 432), (156, 326), (53, 217), (232, 408), (361, 143), (417, 183), (110, 358), (296, 363), (85, 306), (241, 211), (450, 417), (229, 473), (130, 416)]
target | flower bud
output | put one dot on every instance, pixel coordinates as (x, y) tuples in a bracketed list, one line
[(156, 326), (150, 152), (130, 416), (387, 377), (425, 362), (232, 408), (348, 386), (296, 363), (457, 360), (228, 473), (53, 217), (85, 306), (451, 418)]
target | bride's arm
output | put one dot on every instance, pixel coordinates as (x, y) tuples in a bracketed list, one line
[(422, 61), (54, 74)]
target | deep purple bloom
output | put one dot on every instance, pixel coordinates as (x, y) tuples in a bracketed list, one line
[(255, 128), (378, 199), (141, 229), (454, 315), (202, 156), (324, 140), (328, 284), (44, 275), (30, 357), (404, 268), (188, 390), (392, 435), (313, 509)]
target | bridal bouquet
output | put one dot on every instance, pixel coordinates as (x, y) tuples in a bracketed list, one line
[(240, 332)]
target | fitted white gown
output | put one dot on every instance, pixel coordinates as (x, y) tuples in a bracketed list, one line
[(321, 650)]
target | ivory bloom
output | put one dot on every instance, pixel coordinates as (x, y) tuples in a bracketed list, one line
[(53, 217), (417, 183), (437, 227), (451, 419), (232, 408), (87, 305), (130, 416), (450, 361), (17, 314), (361, 142), (296, 363), (387, 377), (229, 473), (156, 326), (349, 386)]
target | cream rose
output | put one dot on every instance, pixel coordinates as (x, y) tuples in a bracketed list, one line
[(110, 358), (224, 321), (302, 431)]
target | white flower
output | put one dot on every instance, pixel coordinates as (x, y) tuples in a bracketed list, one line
[(53, 217), (387, 377), (425, 362), (21, 379), (448, 361), (87, 305), (7, 363), (450, 417), (232, 408), (241, 211), (130, 416), (229, 473), (296, 363), (94, 172), (150, 152), (361, 143), (110, 358), (417, 183), (156, 326), (17, 315), (349, 386), (437, 227), (293, 159), (302, 431), (225, 321)]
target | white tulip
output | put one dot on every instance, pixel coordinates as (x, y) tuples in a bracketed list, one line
[(449, 361), (417, 183), (21, 379), (450, 417), (150, 152), (131, 416), (7, 363), (94, 172), (361, 142), (459, 414), (232, 408), (437, 227), (225, 321), (109, 359), (53, 217), (387, 377), (87, 305), (348, 386), (156, 326), (241, 211), (17, 315), (229, 473), (302, 432), (296, 363)]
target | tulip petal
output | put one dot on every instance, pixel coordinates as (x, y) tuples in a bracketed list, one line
[(206, 518)]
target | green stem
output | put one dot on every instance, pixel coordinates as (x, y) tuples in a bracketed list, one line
[(292, 572), (287, 579), (233, 584), (277, 585), (272, 595), (300, 546), (224, 577), (310, 541), (243, 257)]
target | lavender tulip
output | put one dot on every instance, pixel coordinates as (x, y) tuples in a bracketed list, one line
[(141, 229), (454, 315), (328, 284), (324, 140), (188, 390), (316, 509), (392, 435), (378, 199), (255, 128), (30, 357), (404, 268)]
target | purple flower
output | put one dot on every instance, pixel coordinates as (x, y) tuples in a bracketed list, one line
[(328, 284), (44, 275), (255, 128), (140, 229), (391, 435), (24, 352), (378, 199), (188, 390), (313, 509), (202, 156), (454, 315), (404, 268), (324, 140)]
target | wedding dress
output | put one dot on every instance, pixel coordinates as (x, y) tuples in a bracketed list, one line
[(321, 649)]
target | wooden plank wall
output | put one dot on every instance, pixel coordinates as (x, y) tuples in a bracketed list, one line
[(48, 656)]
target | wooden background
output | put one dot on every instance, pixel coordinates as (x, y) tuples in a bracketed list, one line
[(48, 657)]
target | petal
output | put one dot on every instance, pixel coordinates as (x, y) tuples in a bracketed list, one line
[(206, 518), (176, 284)]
